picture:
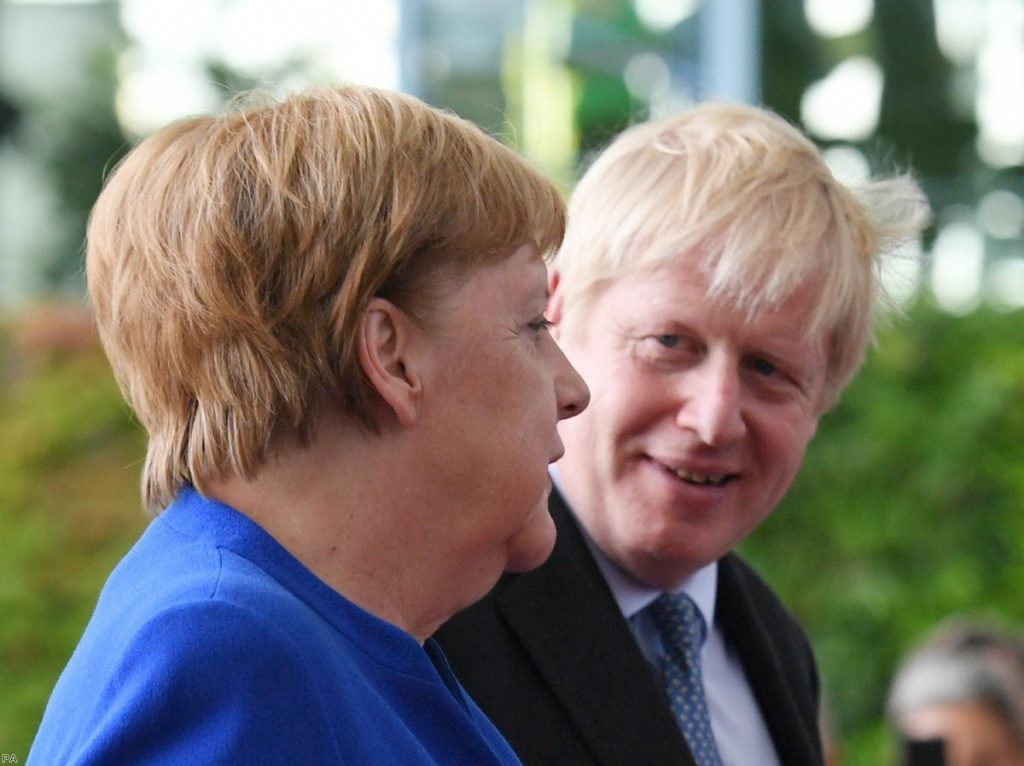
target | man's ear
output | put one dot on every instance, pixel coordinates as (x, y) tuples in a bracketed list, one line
[(553, 312), (385, 337)]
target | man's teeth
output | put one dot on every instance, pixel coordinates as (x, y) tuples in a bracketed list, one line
[(699, 478)]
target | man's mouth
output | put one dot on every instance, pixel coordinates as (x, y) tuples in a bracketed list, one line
[(702, 479)]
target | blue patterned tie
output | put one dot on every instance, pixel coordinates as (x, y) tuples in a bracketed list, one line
[(682, 633)]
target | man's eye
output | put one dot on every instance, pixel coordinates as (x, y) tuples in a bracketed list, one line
[(540, 323), (763, 367), (668, 341)]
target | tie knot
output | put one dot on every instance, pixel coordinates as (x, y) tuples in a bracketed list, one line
[(680, 622)]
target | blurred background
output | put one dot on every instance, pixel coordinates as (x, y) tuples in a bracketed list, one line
[(910, 507)]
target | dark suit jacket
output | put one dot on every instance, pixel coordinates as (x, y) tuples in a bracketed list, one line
[(551, 660)]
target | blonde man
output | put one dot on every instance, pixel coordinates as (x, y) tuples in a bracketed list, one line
[(715, 289), (327, 312)]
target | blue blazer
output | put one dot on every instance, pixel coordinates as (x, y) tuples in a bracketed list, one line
[(552, 662)]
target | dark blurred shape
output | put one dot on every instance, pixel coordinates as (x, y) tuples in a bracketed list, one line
[(917, 114), (605, 35), (9, 116), (923, 752), (792, 57), (78, 152)]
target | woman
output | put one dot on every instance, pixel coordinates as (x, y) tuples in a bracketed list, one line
[(328, 314), (957, 698)]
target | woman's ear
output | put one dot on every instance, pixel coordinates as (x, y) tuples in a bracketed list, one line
[(385, 339)]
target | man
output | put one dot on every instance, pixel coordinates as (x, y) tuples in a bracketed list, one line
[(715, 290)]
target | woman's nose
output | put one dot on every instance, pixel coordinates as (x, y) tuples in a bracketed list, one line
[(571, 391)]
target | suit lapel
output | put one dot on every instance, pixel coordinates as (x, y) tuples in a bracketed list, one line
[(774, 691), (567, 620)]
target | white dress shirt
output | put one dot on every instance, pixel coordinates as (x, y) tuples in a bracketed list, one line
[(740, 730)]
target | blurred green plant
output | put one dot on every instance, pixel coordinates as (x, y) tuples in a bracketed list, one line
[(909, 508), (69, 501)]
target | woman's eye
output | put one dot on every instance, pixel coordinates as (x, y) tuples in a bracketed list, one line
[(540, 323), (668, 341)]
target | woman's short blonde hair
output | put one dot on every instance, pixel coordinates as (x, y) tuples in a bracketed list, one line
[(230, 260), (751, 200)]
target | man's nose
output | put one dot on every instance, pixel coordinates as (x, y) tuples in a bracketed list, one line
[(711, 404)]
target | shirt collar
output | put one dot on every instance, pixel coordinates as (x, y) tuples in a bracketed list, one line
[(633, 596)]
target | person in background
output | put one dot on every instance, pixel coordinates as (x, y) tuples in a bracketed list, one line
[(328, 313), (831, 742), (715, 288), (960, 695)]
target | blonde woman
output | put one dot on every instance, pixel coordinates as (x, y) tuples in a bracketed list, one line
[(328, 313)]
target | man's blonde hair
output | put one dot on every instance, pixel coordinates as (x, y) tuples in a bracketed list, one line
[(230, 260), (751, 200)]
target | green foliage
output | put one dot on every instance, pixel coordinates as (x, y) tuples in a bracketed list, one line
[(69, 506), (605, 36), (78, 140), (909, 508)]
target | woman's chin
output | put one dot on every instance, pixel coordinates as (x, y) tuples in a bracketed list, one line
[(532, 545)]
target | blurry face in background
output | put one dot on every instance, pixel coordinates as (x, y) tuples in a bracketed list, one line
[(698, 419), (974, 734), (499, 385)]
